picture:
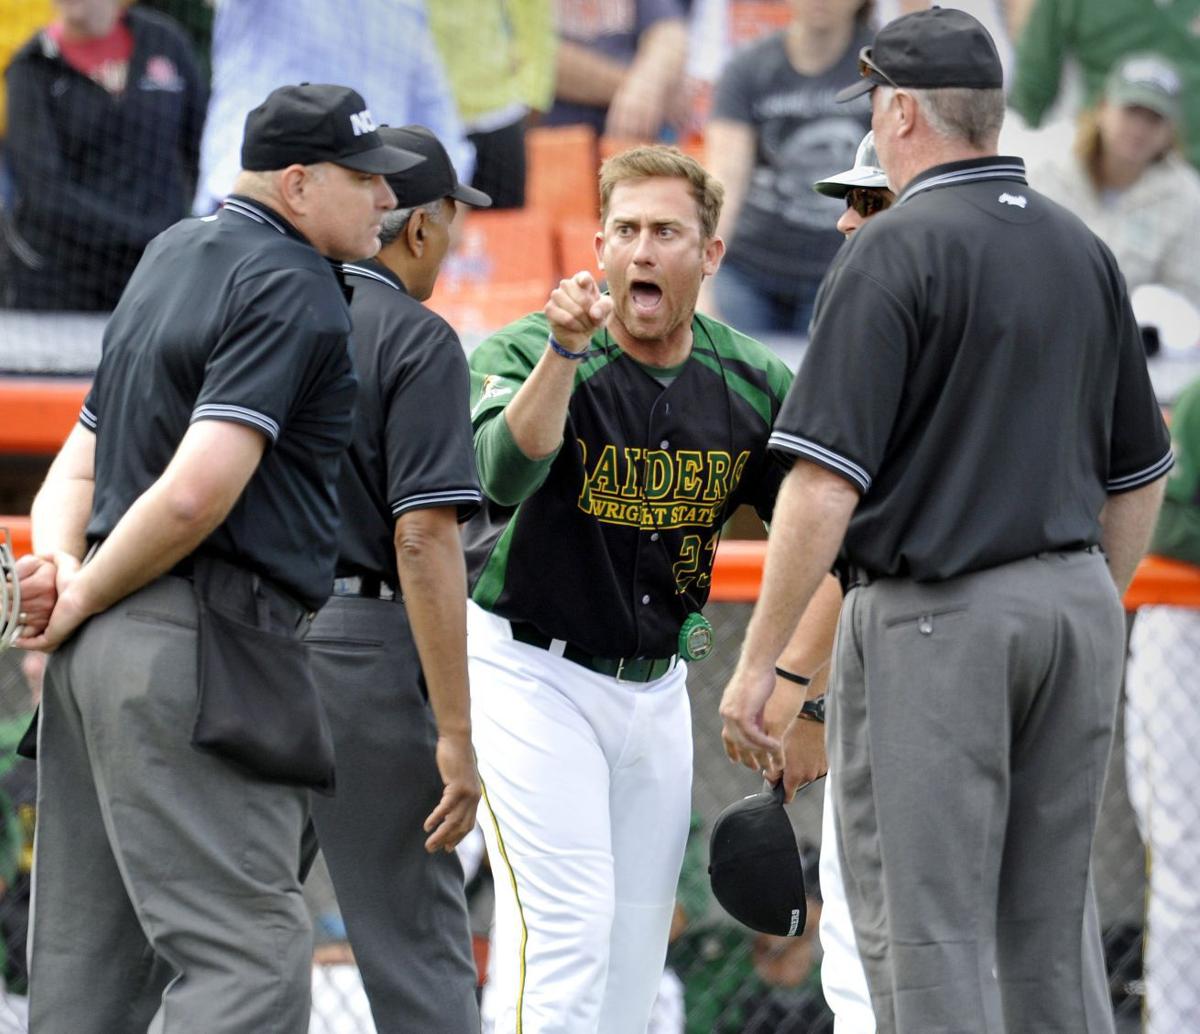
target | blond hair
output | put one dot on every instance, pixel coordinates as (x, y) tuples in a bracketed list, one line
[(1089, 144), (661, 160)]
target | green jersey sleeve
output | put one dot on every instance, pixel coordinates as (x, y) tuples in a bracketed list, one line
[(499, 366)]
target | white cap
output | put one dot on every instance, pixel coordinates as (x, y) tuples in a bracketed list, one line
[(1176, 318), (865, 173)]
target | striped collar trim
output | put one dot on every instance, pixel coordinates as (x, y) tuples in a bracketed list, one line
[(972, 171), (353, 269), (260, 214)]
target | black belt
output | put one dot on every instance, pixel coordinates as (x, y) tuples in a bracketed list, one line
[(850, 575), (370, 587), (623, 669)]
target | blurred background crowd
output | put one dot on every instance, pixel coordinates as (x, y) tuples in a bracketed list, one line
[(120, 118)]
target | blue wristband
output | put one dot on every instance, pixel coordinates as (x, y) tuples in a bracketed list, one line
[(566, 353)]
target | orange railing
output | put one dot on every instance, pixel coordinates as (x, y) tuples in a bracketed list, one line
[(738, 573), (37, 414)]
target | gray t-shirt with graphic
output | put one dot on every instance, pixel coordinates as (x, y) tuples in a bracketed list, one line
[(801, 135)]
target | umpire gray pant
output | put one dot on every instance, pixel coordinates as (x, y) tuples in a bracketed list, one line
[(165, 890), (404, 909), (970, 727)]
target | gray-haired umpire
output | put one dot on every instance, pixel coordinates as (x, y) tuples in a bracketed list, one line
[(180, 728), (389, 649), (974, 425)]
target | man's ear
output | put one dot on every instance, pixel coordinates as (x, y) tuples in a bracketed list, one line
[(295, 188), (598, 244), (906, 112), (711, 255), (415, 232)]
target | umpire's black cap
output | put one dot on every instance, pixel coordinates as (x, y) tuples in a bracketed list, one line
[(754, 865), (929, 50), (317, 122), (434, 178)]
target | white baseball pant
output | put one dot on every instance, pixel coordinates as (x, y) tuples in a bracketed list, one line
[(842, 977), (587, 795)]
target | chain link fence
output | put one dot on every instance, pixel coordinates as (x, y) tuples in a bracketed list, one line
[(723, 978), (733, 981)]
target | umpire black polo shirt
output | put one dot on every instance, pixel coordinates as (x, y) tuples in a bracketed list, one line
[(976, 372), (232, 317), (412, 445)]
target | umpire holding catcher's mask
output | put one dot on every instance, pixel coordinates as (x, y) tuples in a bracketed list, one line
[(974, 426), (389, 649), (180, 727)]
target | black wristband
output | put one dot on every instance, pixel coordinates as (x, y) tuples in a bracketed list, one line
[(791, 676), (813, 710)]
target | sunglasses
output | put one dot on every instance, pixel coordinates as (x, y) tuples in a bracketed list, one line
[(867, 69), (867, 201)]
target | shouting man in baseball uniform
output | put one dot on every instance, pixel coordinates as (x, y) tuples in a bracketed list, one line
[(180, 726), (389, 649), (614, 433), (973, 426)]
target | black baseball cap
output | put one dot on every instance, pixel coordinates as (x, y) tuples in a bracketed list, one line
[(754, 865), (929, 50), (434, 178), (316, 122)]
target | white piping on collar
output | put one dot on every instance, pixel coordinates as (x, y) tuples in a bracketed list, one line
[(252, 211), (998, 171), (369, 273)]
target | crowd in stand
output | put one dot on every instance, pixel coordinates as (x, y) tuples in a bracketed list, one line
[(121, 118)]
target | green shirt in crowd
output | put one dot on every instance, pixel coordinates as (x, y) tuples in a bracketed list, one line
[(1096, 33), (1177, 534)]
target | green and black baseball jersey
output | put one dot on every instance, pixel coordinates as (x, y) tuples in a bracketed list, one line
[(624, 519)]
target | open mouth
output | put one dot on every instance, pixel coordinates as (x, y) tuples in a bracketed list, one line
[(646, 297)]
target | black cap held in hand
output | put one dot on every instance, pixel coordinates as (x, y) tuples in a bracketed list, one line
[(310, 123), (754, 865), (931, 50), (434, 178)]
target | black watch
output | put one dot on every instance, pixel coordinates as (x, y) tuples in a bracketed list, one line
[(813, 710)]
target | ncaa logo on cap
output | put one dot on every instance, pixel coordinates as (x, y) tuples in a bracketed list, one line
[(362, 122)]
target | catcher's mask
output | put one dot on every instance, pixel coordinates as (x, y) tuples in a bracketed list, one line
[(754, 865)]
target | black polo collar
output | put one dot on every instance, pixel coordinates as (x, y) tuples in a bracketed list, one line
[(241, 205), (373, 269), (971, 170)]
